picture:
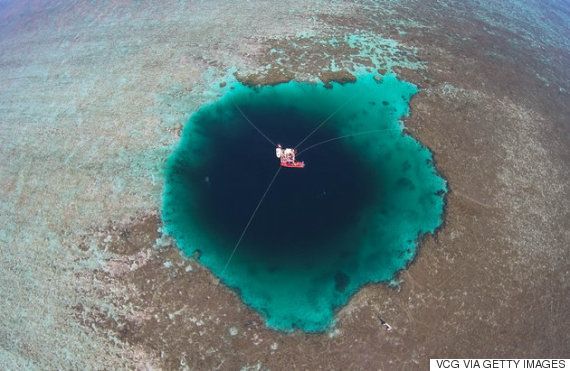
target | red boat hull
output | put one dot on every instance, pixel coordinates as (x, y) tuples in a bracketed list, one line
[(295, 165)]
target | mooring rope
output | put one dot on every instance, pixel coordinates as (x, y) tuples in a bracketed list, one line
[(250, 220), (346, 136), (255, 127), (324, 122)]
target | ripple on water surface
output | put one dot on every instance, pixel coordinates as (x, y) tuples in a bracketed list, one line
[(353, 216)]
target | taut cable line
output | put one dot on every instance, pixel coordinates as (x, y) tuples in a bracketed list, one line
[(346, 136), (324, 121), (255, 127), (250, 220)]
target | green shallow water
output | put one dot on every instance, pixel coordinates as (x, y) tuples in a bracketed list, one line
[(353, 216)]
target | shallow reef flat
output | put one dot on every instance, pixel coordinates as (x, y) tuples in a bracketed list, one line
[(94, 98)]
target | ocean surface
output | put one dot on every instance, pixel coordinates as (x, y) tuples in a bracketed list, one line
[(354, 215)]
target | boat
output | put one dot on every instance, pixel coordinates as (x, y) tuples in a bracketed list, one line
[(287, 157), (294, 164)]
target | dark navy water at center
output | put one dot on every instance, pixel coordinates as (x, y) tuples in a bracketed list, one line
[(354, 215)]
